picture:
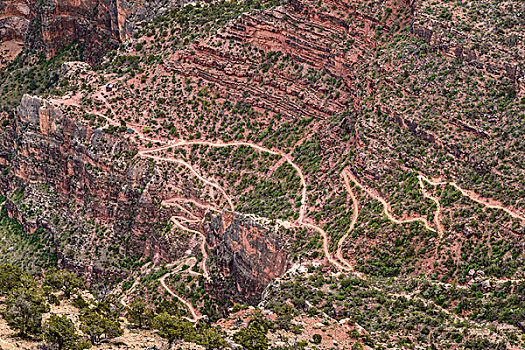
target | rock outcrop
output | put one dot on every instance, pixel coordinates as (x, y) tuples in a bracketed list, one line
[(98, 25), (247, 255), (83, 181), (98, 205), (14, 19)]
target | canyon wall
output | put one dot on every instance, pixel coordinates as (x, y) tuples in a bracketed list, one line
[(246, 254), (14, 19), (83, 192), (98, 25), (85, 187)]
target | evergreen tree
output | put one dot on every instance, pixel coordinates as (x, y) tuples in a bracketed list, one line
[(64, 280), (24, 310), (254, 337), (211, 339), (99, 326), (60, 332), (140, 314), (12, 277), (173, 328)]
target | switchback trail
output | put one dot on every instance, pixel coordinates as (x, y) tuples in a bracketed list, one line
[(300, 222), (8, 343), (202, 244), (182, 143), (145, 154), (489, 203), (124, 298), (386, 206), (439, 208), (355, 215), (195, 314)]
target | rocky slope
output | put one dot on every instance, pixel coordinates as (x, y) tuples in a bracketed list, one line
[(14, 20), (14, 25), (98, 207), (262, 110), (85, 184), (248, 255), (98, 25)]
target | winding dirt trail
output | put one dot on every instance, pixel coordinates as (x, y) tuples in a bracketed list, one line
[(8, 343), (431, 303), (489, 203), (439, 208), (124, 298), (342, 264), (182, 143), (387, 208), (300, 222), (146, 154), (355, 215), (195, 314), (204, 253)]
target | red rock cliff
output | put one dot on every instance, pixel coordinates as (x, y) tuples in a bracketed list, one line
[(14, 19), (98, 25), (91, 193), (246, 255)]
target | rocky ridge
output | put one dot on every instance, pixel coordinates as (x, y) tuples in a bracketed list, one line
[(98, 25)]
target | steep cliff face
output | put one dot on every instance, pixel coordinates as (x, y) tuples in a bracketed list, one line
[(84, 187), (57, 23), (84, 196), (98, 25), (47, 26), (14, 23), (14, 19), (247, 255)]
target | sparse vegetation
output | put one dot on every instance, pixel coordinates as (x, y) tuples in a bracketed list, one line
[(134, 172)]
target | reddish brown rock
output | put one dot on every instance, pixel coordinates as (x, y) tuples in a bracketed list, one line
[(14, 19), (98, 25), (79, 178), (246, 254)]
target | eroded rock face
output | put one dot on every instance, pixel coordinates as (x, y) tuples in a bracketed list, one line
[(48, 26), (99, 25), (247, 255), (90, 191), (98, 206), (14, 19)]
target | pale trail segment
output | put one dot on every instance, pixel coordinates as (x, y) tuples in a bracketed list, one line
[(475, 197), (302, 210), (202, 245), (181, 143), (355, 215), (171, 201), (440, 229), (124, 298), (387, 208), (439, 208), (195, 314), (145, 154), (8, 343)]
